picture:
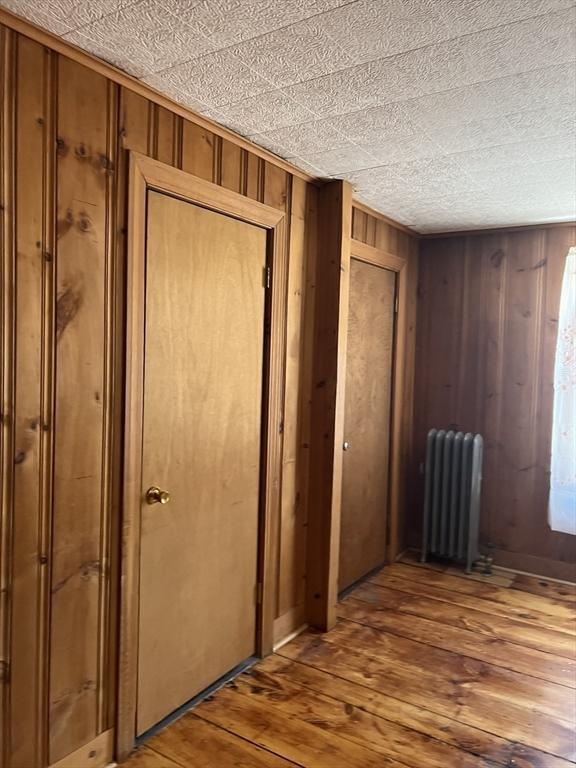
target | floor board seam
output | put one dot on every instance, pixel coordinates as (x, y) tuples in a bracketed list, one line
[(557, 656), (431, 712), (460, 654)]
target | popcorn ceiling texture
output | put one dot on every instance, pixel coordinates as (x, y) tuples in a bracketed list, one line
[(444, 114)]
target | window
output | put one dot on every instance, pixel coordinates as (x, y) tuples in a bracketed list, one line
[(562, 506)]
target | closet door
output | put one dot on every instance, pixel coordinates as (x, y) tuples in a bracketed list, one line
[(201, 451), (367, 421)]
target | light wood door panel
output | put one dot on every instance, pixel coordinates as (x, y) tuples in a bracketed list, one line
[(202, 443), (367, 421)]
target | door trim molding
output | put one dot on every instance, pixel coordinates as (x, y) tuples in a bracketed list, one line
[(148, 174), (398, 264)]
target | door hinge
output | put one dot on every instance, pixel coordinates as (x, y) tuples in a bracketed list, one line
[(259, 593), (267, 277), (396, 305)]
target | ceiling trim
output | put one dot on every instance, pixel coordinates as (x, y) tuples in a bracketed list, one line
[(386, 219), (498, 230)]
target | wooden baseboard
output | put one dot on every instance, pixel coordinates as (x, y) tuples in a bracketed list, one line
[(533, 565), (98, 753), (288, 623)]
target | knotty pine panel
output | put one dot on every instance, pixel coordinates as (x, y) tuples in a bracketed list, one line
[(80, 555), (486, 342), (34, 126), (65, 132), (7, 366), (378, 232)]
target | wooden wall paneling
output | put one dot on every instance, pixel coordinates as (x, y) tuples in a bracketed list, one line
[(359, 225), (381, 235), (293, 616), (488, 321), (136, 121), (254, 181), (520, 393), (393, 240), (332, 283), (97, 114), (198, 150), (401, 381), (167, 136), (276, 189), (491, 253), (7, 330), (111, 433), (292, 538), (232, 161), (95, 754), (359, 206), (371, 230), (558, 240), (82, 409), (411, 304), (33, 407)]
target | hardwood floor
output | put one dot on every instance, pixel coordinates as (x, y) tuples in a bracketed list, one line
[(426, 668)]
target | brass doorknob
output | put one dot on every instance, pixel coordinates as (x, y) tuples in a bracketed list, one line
[(156, 496)]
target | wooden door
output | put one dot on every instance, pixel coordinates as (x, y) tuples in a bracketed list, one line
[(204, 343), (367, 421)]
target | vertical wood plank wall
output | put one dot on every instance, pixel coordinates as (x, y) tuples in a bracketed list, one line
[(487, 327), (64, 132)]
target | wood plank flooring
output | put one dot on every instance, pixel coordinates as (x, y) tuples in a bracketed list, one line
[(426, 668)]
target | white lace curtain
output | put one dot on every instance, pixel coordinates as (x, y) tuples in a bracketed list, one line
[(562, 506)]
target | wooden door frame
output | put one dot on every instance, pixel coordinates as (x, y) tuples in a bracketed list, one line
[(380, 258), (148, 174)]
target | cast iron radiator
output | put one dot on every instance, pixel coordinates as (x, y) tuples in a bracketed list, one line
[(453, 478)]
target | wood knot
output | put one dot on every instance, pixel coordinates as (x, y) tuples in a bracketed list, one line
[(19, 458), (84, 223), (40, 120), (81, 151), (67, 306), (63, 225), (61, 147), (496, 258)]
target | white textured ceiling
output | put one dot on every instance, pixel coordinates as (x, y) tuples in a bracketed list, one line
[(444, 114)]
